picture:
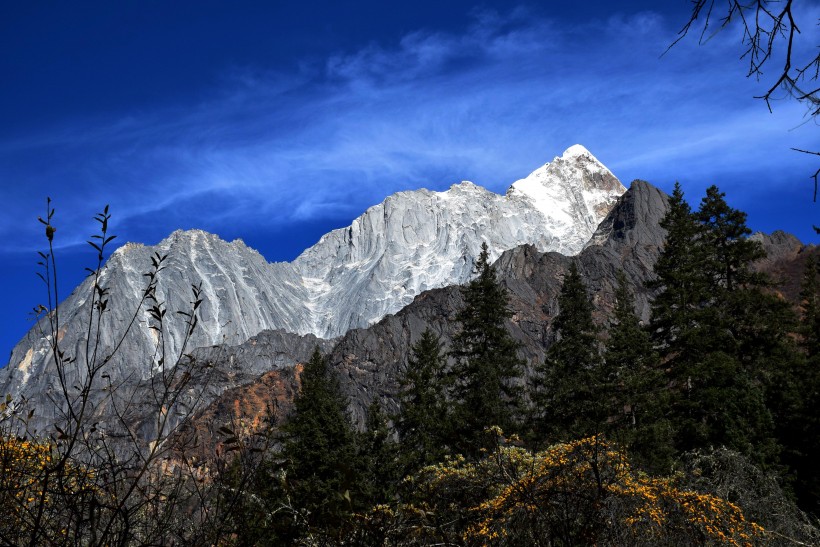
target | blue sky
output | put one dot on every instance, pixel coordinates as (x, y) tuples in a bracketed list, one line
[(277, 121)]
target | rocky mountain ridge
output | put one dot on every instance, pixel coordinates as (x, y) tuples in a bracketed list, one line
[(369, 360), (420, 240), (411, 242)]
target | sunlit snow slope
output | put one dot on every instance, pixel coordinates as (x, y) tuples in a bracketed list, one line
[(414, 241)]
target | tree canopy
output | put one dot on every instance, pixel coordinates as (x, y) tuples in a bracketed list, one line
[(566, 386), (423, 421), (486, 361)]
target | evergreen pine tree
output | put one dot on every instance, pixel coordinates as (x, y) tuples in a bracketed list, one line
[(759, 327), (486, 362), (630, 361), (677, 327), (736, 302), (702, 322), (723, 235), (746, 324), (423, 414), (810, 307), (635, 385), (800, 420), (320, 452), (567, 393), (378, 456)]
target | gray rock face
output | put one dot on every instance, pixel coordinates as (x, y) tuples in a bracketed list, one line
[(778, 245), (219, 369), (412, 242), (239, 286), (630, 239), (213, 370), (268, 350), (415, 241)]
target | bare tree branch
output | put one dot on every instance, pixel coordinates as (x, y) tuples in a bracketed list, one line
[(768, 31)]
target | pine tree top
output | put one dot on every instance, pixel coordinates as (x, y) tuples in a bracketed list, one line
[(574, 305)]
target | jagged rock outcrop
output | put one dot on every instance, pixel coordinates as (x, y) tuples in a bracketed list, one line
[(239, 285), (785, 261), (269, 357), (415, 241), (207, 372)]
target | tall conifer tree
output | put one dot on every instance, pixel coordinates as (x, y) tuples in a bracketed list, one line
[(320, 451), (378, 455), (803, 421), (729, 253), (567, 388), (629, 361), (486, 361), (635, 386), (810, 307), (422, 422), (701, 319), (679, 274)]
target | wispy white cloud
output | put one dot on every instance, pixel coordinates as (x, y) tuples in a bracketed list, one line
[(334, 137)]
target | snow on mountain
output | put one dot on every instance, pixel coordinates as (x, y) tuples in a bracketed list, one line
[(354, 276), (572, 210), (419, 240)]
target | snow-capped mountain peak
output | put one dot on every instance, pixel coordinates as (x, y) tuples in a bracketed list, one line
[(577, 150), (573, 189), (411, 242)]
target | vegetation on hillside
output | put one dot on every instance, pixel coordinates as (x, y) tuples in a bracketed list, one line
[(697, 428)]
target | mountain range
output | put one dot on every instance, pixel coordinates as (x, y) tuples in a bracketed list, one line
[(363, 293), (354, 276), (369, 361)]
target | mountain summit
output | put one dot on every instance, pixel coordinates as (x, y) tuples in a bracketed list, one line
[(574, 192), (419, 240), (354, 276)]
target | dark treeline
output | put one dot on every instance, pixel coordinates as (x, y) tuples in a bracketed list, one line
[(720, 386)]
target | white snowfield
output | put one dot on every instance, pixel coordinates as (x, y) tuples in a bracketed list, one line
[(354, 276)]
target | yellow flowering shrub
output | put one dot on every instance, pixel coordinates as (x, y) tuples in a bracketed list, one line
[(579, 493), (586, 490), (36, 490)]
